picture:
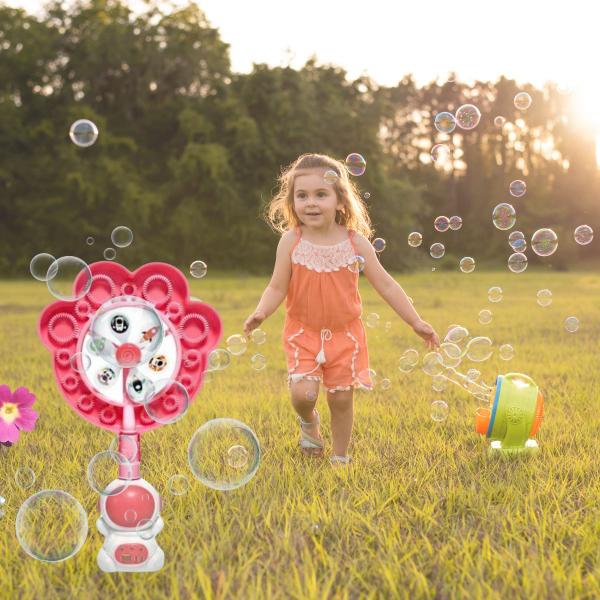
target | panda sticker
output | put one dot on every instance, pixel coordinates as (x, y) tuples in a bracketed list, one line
[(106, 376), (158, 363), (119, 324)]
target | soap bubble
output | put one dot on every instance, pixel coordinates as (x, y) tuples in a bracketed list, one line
[(89, 240), (433, 364), (372, 320), (506, 352), (517, 188), (439, 410), (455, 222), (517, 262), (218, 360), (109, 254), (445, 122), (367, 195), (456, 334), (357, 264), (485, 316), (516, 240), (40, 264), (415, 239), (467, 264), (504, 216), (356, 164), (499, 121), (104, 468), (24, 477), (62, 276), (121, 236), (408, 361), (237, 344), (128, 446), (479, 349), (83, 133), (468, 116), (212, 459), (178, 485), (367, 379), (385, 384), (80, 362), (170, 404), (258, 336), (379, 244), (437, 250), (451, 354), (473, 374), (258, 362), (544, 297), (544, 242), (198, 269), (571, 324), (440, 153), (51, 526), (441, 223), (522, 101), (330, 177), (438, 383), (583, 234), (495, 294)]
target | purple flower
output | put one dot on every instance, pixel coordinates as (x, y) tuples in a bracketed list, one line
[(15, 413)]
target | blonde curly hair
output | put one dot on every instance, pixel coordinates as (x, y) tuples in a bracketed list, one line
[(280, 213)]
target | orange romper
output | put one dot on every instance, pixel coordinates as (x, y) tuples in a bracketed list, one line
[(323, 336)]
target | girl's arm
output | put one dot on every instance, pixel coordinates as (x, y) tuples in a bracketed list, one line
[(389, 289), (276, 291)]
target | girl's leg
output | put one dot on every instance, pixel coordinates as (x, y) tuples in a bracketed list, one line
[(341, 406), (304, 397)]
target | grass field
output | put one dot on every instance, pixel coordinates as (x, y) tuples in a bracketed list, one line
[(424, 512)]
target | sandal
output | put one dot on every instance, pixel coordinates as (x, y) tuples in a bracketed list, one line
[(309, 445), (340, 461)]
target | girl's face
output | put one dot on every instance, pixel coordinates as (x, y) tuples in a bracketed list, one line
[(315, 201)]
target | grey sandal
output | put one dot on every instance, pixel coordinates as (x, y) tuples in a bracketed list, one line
[(309, 445)]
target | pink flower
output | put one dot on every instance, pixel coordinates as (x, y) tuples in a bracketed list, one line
[(15, 413)]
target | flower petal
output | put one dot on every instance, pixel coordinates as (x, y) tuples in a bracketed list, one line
[(27, 420), (8, 433), (5, 394), (23, 396)]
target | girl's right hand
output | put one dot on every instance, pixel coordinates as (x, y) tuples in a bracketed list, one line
[(253, 321)]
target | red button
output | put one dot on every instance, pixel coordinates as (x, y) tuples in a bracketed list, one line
[(128, 355)]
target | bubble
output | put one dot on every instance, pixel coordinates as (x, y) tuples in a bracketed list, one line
[(479, 349), (170, 404), (408, 361), (450, 353), (40, 265), (517, 188), (583, 235), (121, 236), (356, 164), (455, 222), (237, 457), (414, 239), (544, 242), (357, 264), (129, 446), (51, 526), (178, 485), (89, 240), (441, 223), (485, 316), (330, 177), (218, 360), (103, 469), (445, 122), (385, 384), (209, 454), (83, 133), (440, 153), (522, 101), (372, 320), (473, 374), (109, 253), (517, 262), (504, 216), (467, 264), (495, 294), (468, 116), (69, 278), (571, 324), (24, 477), (80, 362), (236, 344), (366, 195), (544, 297), (198, 269), (439, 383), (258, 362), (258, 336), (367, 379), (439, 410), (437, 250), (433, 363), (516, 240), (506, 352), (499, 121), (456, 334), (379, 244)]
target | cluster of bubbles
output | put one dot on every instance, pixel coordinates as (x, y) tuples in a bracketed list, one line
[(443, 223)]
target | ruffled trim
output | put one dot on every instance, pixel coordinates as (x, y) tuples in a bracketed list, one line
[(296, 349), (311, 377), (339, 388), (323, 259)]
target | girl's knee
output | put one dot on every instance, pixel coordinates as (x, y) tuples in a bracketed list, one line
[(304, 392), (340, 400)]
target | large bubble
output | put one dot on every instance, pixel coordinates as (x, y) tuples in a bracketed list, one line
[(439, 410), (445, 122), (456, 334), (237, 344), (62, 275), (170, 404), (479, 349), (51, 526), (83, 133), (468, 116), (504, 216), (121, 236), (451, 354), (408, 361), (544, 242), (104, 468), (583, 235), (433, 363), (356, 164), (224, 454)]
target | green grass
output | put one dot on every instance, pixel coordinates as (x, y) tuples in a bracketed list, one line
[(424, 512)]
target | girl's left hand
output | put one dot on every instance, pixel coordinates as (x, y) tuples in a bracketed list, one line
[(427, 332)]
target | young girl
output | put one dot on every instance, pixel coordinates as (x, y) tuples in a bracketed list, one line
[(325, 227)]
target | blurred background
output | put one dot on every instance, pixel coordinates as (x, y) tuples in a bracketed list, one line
[(199, 106)]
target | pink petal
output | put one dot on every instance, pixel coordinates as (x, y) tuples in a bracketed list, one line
[(5, 395), (27, 420), (23, 397), (8, 433)]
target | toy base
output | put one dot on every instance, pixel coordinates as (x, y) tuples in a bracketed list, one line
[(530, 447), (109, 565)]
